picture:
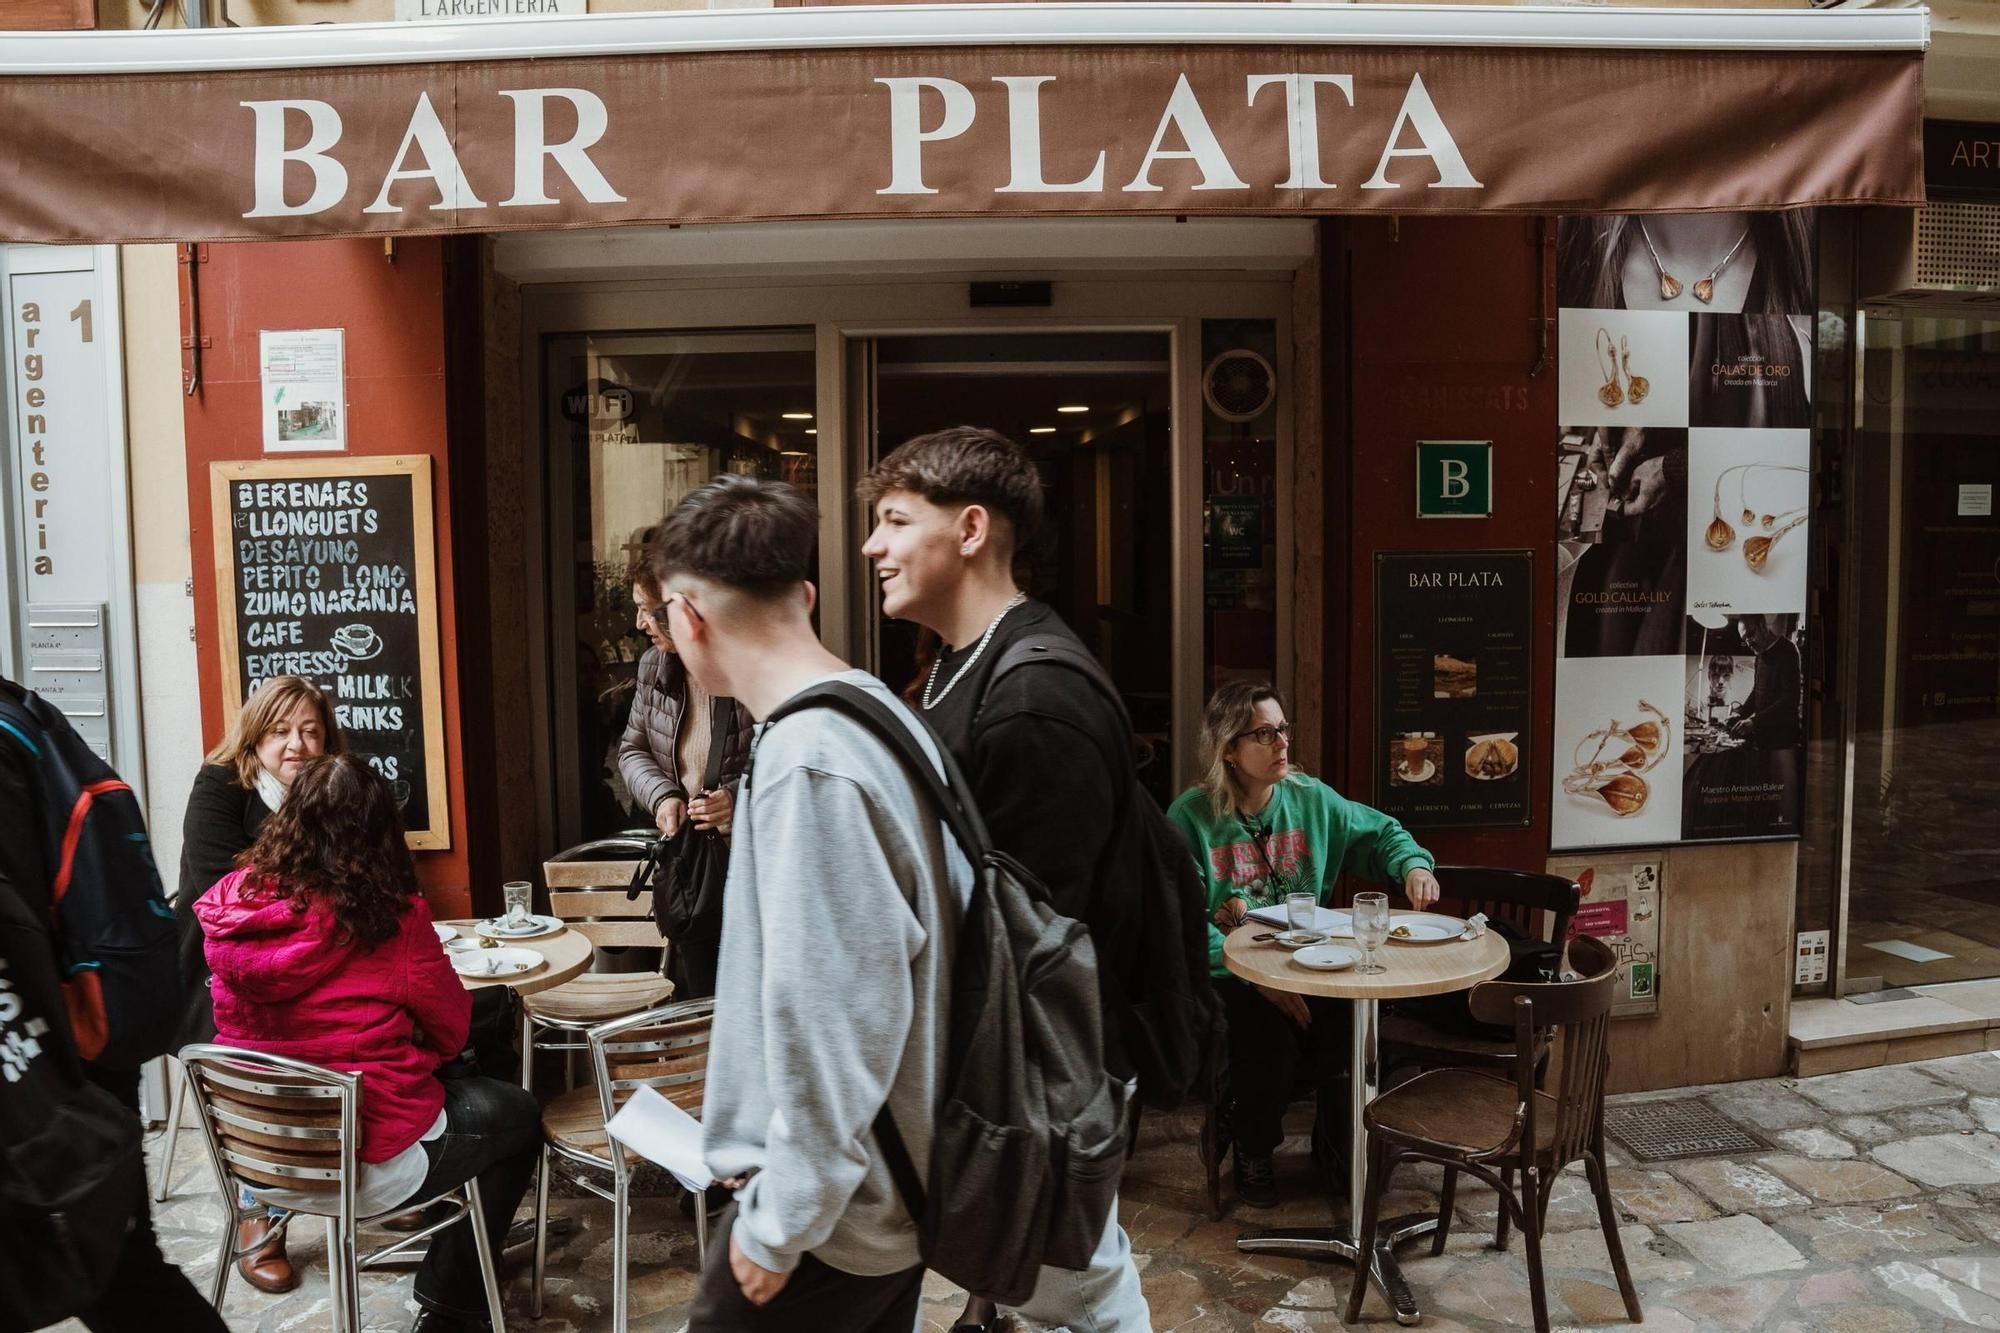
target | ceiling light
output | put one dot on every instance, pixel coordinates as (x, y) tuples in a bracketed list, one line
[(1041, 430), (793, 453), (1073, 408), (811, 431), (796, 416)]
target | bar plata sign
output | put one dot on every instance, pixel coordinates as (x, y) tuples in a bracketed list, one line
[(501, 145)]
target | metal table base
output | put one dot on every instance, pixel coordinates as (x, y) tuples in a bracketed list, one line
[(1326, 1242)]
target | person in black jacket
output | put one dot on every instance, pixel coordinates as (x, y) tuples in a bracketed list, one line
[(144, 1290), (285, 721), (1049, 758)]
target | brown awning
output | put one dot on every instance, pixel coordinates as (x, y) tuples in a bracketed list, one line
[(1077, 128)]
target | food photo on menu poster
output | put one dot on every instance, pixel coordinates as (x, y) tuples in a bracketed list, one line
[(1749, 495), (1621, 532), (1454, 650), (1742, 728)]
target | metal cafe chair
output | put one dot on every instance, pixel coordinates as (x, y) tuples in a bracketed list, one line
[(665, 1049), (273, 1122), (1494, 1127), (587, 885)]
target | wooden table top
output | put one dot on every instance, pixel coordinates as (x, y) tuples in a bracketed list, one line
[(567, 951), (1411, 969)]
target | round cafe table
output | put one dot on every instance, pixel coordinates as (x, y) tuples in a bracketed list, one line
[(566, 954), (1409, 970)]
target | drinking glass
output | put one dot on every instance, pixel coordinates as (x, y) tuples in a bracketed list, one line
[(1302, 910), (1371, 928), (520, 895)]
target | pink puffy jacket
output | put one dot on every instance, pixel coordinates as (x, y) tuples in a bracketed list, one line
[(286, 984)]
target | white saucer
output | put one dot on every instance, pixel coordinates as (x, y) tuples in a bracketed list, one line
[(1298, 939), (1419, 777), (535, 928), (1426, 928), (444, 932), (1327, 957), (481, 963)]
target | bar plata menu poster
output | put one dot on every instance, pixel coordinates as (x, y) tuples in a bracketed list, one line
[(1682, 498), (1454, 661)]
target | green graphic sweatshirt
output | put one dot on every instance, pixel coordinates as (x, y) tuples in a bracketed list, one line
[(1305, 839)]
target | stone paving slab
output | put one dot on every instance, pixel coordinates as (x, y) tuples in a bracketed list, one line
[(1876, 1211)]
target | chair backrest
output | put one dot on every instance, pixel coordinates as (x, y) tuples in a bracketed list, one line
[(1580, 1012), (1513, 896), (587, 886), (274, 1121), (664, 1048)]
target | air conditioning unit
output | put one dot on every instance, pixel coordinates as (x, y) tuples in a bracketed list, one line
[(1944, 253)]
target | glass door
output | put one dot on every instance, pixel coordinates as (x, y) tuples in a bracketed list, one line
[(634, 422)]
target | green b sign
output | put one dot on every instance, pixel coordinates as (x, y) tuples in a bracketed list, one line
[(1454, 478)]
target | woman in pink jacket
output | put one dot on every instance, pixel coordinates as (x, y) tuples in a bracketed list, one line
[(322, 950)]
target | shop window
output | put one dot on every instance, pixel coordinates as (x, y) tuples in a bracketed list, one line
[(1239, 419)]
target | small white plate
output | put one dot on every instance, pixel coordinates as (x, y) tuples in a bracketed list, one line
[(461, 944), (1327, 957), (533, 927), (444, 932), (497, 963), (1297, 939), (1425, 928), (1417, 776)]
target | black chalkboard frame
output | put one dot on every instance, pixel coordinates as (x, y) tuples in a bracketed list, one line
[(435, 835)]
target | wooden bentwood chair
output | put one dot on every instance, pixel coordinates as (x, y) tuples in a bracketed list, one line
[(273, 1122), (1468, 1120), (665, 1049), (587, 886)]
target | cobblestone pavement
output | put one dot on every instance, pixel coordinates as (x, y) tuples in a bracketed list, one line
[(1876, 1209)]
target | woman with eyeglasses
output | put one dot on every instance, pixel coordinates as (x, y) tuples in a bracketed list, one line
[(665, 752), (1261, 830)]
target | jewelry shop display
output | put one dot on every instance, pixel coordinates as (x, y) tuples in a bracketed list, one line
[(1720, 535), (1704, 288), (1609, 393), (1622, 753), (1636, 386)]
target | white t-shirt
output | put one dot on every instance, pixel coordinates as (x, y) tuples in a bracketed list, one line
[(381, 1186)]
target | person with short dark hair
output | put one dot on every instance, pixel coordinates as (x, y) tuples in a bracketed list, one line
[(1050, 759), (844, 890), (322, 950)]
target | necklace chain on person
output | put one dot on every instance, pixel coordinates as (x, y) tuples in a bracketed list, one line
[(930, 682)]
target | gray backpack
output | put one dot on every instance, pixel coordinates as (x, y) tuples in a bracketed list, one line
[(1029, 1140)]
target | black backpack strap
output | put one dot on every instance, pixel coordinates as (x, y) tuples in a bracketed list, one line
[(902, 1168), (1061, 650)]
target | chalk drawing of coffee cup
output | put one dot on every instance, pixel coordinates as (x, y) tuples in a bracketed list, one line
[(357, 642), (401, 791)]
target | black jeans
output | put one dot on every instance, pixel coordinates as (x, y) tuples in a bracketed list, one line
[(1272, 1060), (492, 1133), (146, 1292), (819, 1298)]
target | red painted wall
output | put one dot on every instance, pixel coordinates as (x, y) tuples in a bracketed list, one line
[(1442, 321), (393, 312)]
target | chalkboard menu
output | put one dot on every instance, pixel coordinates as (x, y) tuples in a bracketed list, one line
[(326, 569), (1454, 697)]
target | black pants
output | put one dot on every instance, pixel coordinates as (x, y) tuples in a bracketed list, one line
[(1272, 1060), (819, 1298), (146, 1292), (492, 1133)]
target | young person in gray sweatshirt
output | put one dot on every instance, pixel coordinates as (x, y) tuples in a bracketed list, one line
[(844, 892)]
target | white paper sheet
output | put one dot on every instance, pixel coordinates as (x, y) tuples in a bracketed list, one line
[(661, 1132), (1325, 919)]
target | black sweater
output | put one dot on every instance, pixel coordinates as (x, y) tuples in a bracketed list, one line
[(221, 822)]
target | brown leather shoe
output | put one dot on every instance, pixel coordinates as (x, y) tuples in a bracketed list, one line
[(265, 1266)]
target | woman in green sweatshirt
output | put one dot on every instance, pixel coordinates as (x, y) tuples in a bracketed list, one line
[(1260, 830)]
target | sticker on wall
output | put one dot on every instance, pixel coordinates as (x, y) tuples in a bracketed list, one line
[(1620, 906), (304, 390)]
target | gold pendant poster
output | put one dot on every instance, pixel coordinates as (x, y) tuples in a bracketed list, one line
[(1684, 490)]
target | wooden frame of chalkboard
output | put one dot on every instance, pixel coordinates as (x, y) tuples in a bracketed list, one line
[(304, 544)]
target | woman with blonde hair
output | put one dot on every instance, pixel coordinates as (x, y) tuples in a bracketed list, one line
[(1261, 830), (285, 722)]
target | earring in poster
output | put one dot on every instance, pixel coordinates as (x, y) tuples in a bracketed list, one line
[(1704, 288), (1609, 393), (1622, 753), (1636, 386)]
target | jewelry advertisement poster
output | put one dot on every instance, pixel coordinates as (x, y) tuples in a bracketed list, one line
[(1454, 662), (1682, 496), (1621, 906)]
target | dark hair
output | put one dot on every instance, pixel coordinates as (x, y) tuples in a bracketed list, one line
[(1591, 253), (338, 840), (639, 560), (964, 465), (743, 532)]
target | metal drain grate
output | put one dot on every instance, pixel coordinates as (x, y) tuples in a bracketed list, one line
[(1662, 1131)]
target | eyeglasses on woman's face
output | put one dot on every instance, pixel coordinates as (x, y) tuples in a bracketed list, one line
[(1267, 736)]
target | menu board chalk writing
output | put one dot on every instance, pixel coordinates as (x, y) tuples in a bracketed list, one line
[(326, 569)]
